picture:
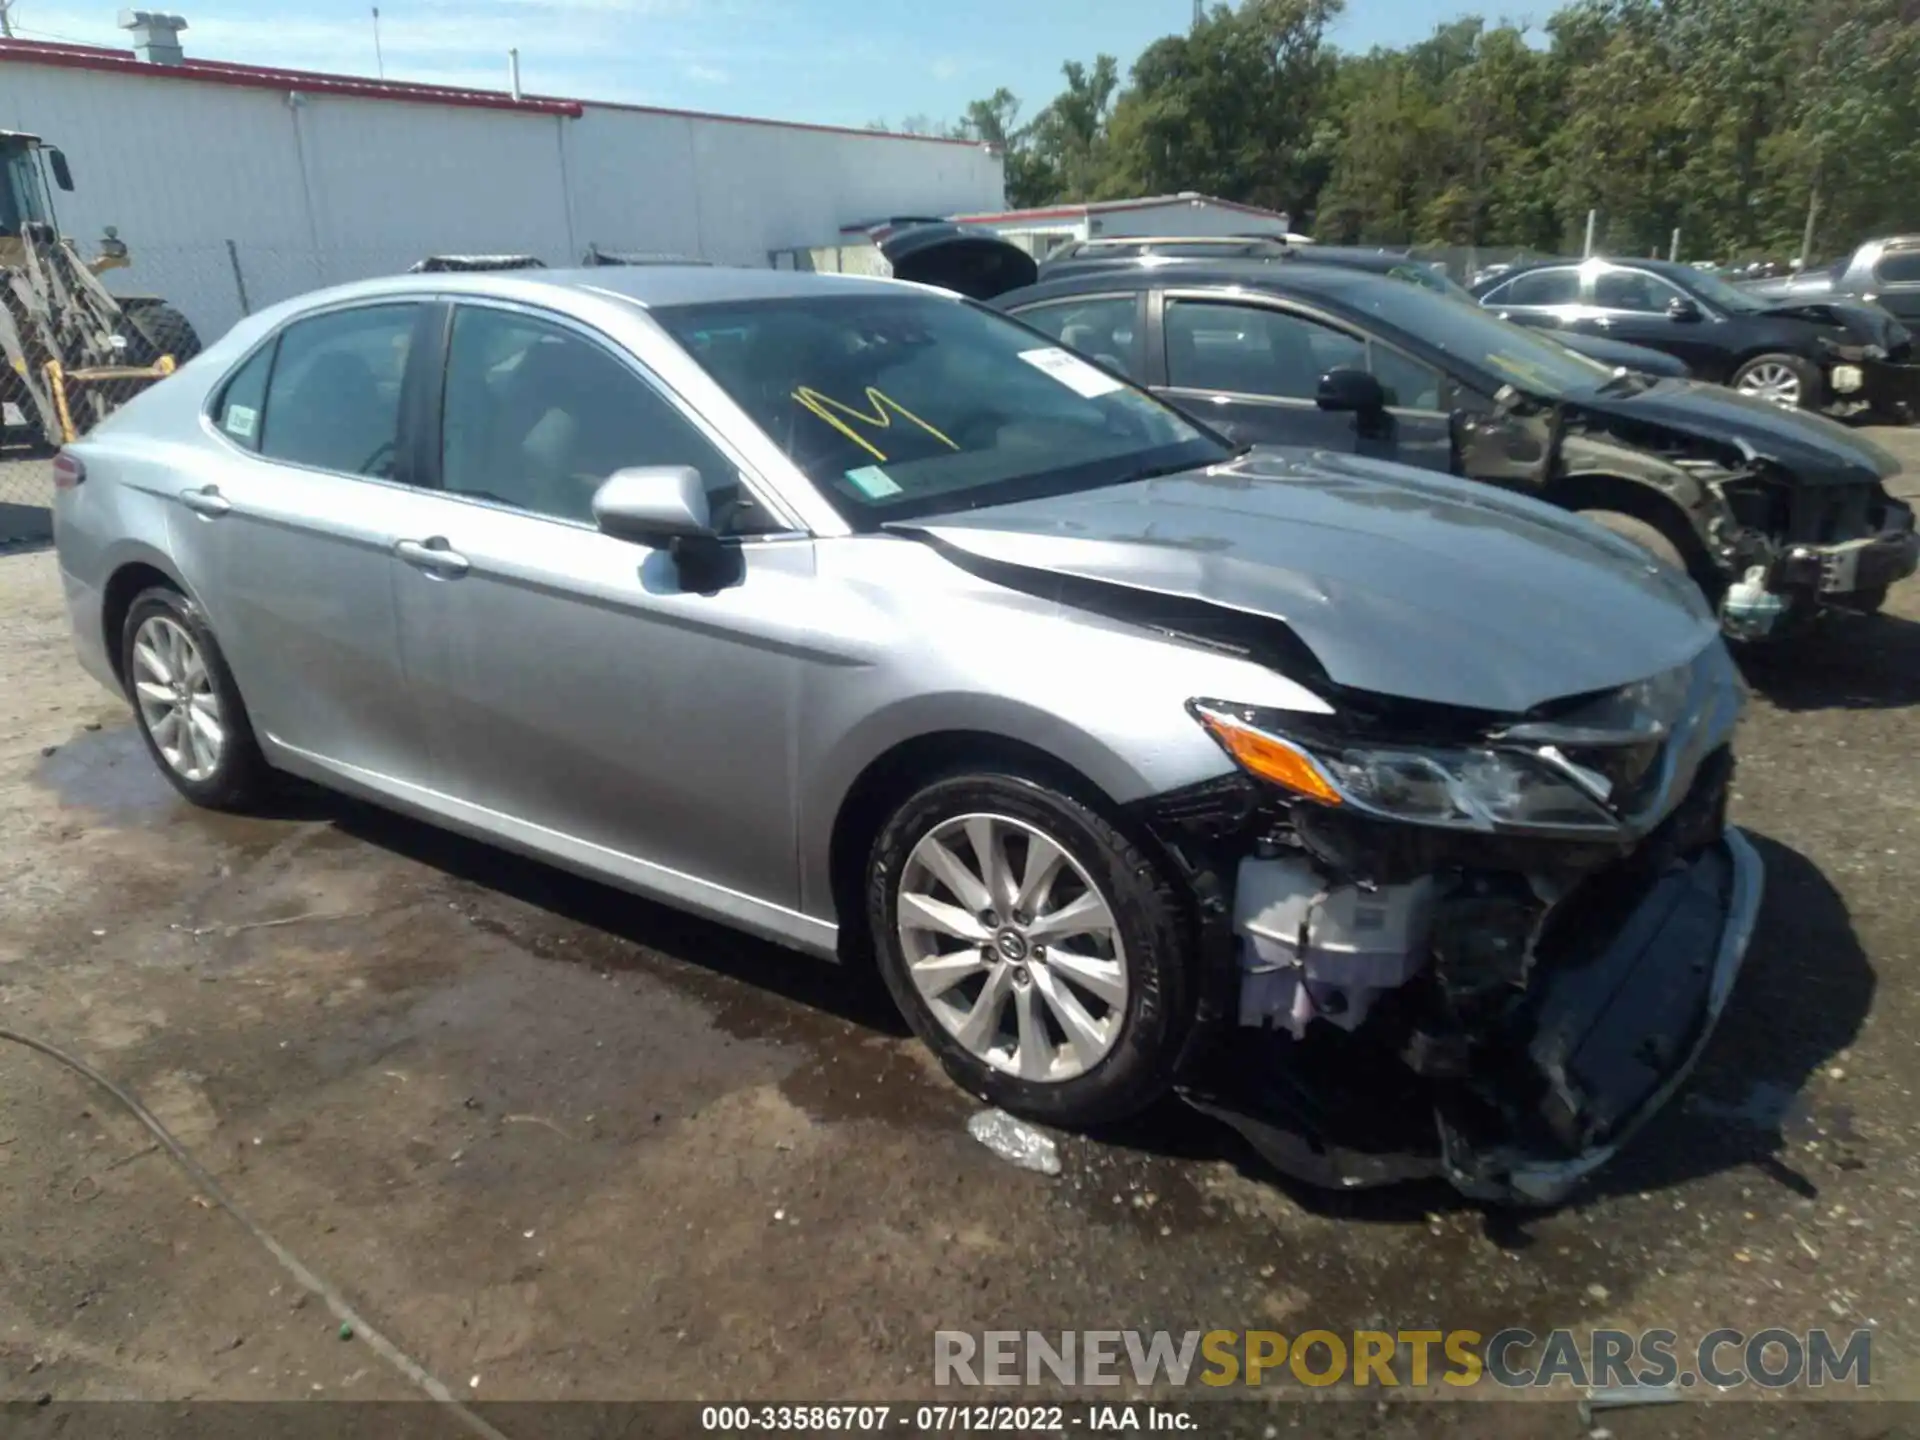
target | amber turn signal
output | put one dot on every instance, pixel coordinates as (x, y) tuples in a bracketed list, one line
[(1269, 758)]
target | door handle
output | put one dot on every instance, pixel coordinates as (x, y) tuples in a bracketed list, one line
[(434, 556), (207, 501)]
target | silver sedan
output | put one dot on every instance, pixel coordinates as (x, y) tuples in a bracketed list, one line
[(854, 615)]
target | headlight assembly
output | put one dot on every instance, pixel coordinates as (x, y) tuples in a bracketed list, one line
[(1471, 788)]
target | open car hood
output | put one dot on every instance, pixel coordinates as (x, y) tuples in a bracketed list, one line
[(1399, 582)]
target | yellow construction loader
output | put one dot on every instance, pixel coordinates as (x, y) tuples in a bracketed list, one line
[(70, 350)]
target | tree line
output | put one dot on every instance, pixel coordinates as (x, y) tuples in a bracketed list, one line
[(1723, 119)]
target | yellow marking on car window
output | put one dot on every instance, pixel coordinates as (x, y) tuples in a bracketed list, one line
[(825, 406)]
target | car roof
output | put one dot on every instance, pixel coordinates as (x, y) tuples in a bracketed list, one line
[(1671, 269), (1303, 277), (648, 286)]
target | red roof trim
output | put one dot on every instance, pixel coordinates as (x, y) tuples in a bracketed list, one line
[(259, 77), (263, 77), (1111, 207)]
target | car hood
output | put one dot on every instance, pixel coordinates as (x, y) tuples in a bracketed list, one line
[(1814, 449), (1400, 582), (1787, 287), (1619, 353), (1863, 323)]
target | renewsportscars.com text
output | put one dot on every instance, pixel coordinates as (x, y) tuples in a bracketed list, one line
[(1772, 1358)]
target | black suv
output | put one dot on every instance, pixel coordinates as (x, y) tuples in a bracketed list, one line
[(1815, 353), (1774, 512)]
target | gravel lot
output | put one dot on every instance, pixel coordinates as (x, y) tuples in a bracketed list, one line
[(559, 1143)]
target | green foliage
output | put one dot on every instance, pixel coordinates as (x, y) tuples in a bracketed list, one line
[(1719, 118)]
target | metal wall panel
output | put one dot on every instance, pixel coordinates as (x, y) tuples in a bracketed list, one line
[(222, 190)]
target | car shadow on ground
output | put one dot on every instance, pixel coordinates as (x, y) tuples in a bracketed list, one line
[(1848, 662), (1801, 998), (635, 930)]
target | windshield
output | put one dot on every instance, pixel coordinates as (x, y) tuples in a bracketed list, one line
[(21, 198), (898, 405), (1722, 296), (1429, 277), (1481, 340)]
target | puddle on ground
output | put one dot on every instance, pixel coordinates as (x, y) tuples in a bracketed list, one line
[(110, 773)]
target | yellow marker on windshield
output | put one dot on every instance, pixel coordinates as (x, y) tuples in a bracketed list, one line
[(825, 407)]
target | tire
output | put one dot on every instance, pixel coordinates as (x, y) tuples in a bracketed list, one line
[(1644, 533), (1767, 377), (159, 329), (1126, 1056), (235, 774)]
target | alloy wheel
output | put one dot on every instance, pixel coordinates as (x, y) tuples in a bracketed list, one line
[(1771, 381), (1013, 947), (178, 703)]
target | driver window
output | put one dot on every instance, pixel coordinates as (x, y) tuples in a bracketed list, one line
[(1633, 290), (334, 398), (536, 417), (1251, 350)]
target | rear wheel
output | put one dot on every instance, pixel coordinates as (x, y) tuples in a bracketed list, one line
[(159, 329), (1786, 380), (1032, 947), (188, 708)]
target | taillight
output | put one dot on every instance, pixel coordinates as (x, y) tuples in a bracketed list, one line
[(68, 472)]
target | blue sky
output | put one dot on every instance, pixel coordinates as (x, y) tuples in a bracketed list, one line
[(827, 61)]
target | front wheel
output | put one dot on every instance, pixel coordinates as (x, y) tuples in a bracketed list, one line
[(1032, 946), (1787, 380)]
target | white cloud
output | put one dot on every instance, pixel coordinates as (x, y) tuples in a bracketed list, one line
[(705, 74)]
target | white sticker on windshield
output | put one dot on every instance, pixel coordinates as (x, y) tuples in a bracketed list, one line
[(872, 482), (240, 420), (1071, 371)]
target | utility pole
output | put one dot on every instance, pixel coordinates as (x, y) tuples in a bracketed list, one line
[(1199, 12), (1593, 219), (6, 18), (1813, 215)]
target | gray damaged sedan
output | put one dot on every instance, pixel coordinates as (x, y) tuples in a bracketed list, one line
[(1380, 813)]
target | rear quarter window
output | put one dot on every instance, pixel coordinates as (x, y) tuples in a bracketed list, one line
[(237, 412)]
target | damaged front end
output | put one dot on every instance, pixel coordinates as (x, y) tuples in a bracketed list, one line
[(1447, 943)]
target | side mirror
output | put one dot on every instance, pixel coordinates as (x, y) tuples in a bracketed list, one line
[(1349, 389), (653, 504), (62, 176), (1683, 309)]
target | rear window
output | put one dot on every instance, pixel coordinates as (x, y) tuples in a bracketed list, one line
[(1539, 287), (333, 401), (1898, 267)]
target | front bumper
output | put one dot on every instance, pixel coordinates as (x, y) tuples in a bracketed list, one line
[(1608, 1031), (1870, 563), (1887, 387)]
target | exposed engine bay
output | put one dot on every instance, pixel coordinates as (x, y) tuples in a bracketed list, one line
[(1495, 994), (1779, 532)]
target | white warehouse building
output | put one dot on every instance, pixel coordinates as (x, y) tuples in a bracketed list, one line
[(236, 186)]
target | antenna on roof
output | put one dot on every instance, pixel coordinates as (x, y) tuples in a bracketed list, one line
[(379, 60)]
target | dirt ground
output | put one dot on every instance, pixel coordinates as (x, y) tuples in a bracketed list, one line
[(559, 1143)]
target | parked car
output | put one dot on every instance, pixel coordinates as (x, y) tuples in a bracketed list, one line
[(1808, 354), (1078, 260), (1776, 514), (860, 617), (1885, 272)]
